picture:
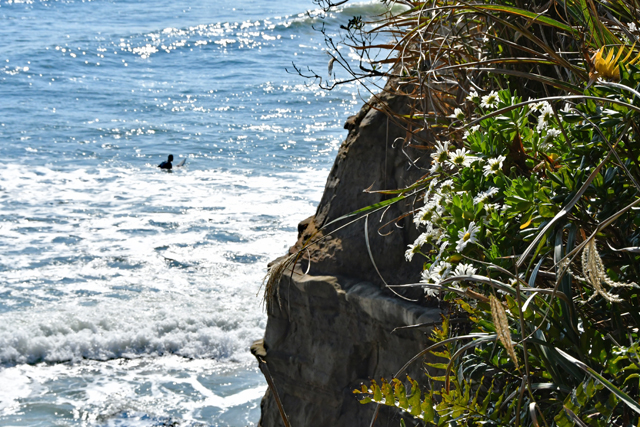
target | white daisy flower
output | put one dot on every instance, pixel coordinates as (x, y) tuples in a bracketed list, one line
[(425, 277), (490, 101), (492, 191), (542, 105), (463, 269), (424, 215), (442, 269), (433, 235), (462, 158), (427, 212), (442, 152), (493, 166), (545, 117), (567, 108), (438, 272), (430, 292), (428, 236), (467, 236), (429, 275), (553, 133), (457, 114), (632, 27), (446, 186), (550, 136), (412, 249), (483, 196), (438, 234), (544, 146), (473, 96), (492, 207), (436, 167)]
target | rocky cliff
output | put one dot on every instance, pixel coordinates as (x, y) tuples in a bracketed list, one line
[(330, 327)]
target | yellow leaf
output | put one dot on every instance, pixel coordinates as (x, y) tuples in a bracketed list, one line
[(626, 58), (605, 66), (633, 62), (526, 224), (454, 258)]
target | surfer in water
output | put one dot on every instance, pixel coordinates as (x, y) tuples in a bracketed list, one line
[(167, 164)]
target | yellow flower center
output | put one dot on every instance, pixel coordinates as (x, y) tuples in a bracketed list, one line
[(467, 236)]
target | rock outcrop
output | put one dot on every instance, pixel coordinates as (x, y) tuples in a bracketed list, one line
[(374, 157), (330, 326)]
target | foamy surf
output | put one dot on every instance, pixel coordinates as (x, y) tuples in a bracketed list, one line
[(130, 296), (140, 392), (175, 273), (138, 306)]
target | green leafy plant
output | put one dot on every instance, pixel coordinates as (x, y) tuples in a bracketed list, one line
[(528, 214)]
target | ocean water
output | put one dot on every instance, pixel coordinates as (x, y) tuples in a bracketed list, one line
[(129, 296)]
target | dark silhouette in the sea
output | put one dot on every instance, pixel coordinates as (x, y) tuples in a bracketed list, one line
[(167, 164)]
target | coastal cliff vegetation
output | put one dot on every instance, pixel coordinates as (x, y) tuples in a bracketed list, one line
[(529, 216)]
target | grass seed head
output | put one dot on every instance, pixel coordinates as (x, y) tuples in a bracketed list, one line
[(501, 323)]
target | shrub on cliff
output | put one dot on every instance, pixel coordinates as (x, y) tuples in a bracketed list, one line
[(529, 213)]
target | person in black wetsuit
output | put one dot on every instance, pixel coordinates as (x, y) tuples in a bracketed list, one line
[(167, 164)]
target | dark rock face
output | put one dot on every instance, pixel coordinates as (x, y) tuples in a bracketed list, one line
[(331, 329), (372, 157), (327, 336)]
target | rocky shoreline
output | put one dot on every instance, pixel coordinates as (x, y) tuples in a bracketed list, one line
[(331, 325)]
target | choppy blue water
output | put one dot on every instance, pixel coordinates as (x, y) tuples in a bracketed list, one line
[(129, 296)]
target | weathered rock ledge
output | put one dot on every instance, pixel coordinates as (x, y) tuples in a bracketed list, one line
[(330, 329), (328, 336)]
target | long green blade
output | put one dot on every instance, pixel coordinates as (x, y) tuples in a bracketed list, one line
[(615, 390)]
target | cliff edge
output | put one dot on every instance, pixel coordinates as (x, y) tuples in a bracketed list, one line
[(330, 327)]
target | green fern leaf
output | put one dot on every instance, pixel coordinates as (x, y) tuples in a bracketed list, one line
[(387, 391), (414, 399), (377, 393), (401, 394), (428, 414)]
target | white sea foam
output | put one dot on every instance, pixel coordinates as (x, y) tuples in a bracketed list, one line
[(138, 263), (189, 327), (141, 300), (138, 392)]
